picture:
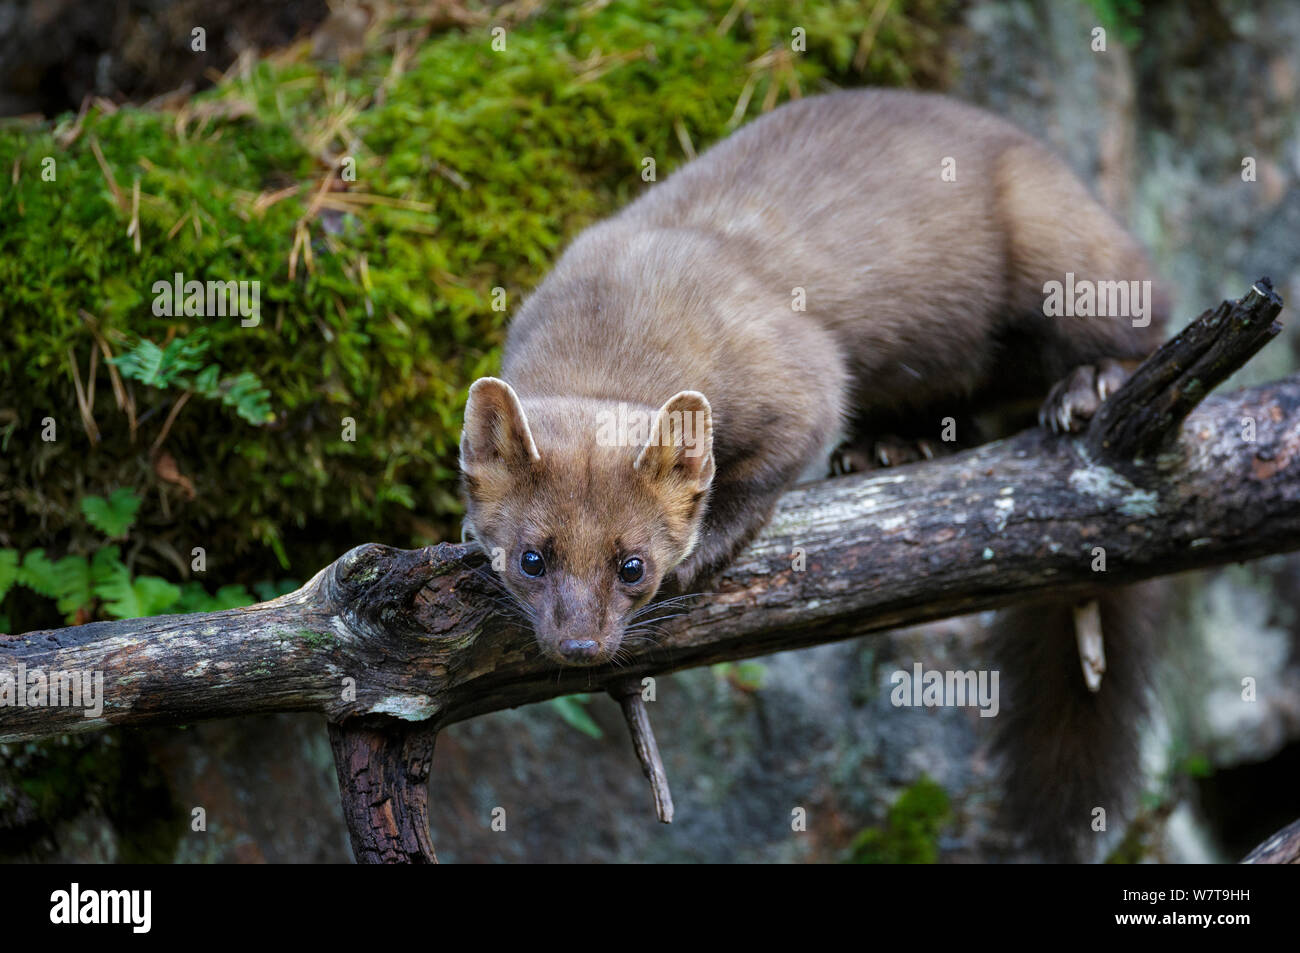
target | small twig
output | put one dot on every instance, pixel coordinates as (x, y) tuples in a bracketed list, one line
[(66, 138), (171, 419), (119, 389), (133, 230), (83, 401), (113, 187), (628, 694), (868, 37), (91, 376), (1092, 647), (684, 138)]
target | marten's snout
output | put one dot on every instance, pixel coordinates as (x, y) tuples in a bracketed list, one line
[(579, 651), (574, 622), (579, 648)]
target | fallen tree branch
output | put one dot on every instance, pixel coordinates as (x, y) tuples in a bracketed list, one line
[(412, 634)]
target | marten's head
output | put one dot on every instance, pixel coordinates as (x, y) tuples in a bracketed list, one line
[(584, 506)]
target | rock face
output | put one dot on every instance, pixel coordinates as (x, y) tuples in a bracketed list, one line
[(54, 53), (1161, 127)]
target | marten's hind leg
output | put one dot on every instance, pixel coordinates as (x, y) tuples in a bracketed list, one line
[(1109, 310)]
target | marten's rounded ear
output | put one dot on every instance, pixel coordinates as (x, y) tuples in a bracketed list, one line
[(496, 430), (681, 441)]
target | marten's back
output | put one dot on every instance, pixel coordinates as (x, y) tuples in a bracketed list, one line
[(915, 229), (845, 195)]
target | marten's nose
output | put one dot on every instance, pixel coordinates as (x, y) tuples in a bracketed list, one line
[(579, 650)]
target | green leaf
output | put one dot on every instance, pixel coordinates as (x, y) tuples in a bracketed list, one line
[(154, 595), (111, 581), (398, 493), (751, 674), (233, 596), (163, 367), (38, 575), (571, 710), (71, 577), (195, 598), (251, 400), (142, 362), (207, 381), (8, 571), (114, 516), (747, 676), (67, 580), (125, 598)]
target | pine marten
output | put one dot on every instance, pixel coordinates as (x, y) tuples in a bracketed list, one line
[(689, 358)]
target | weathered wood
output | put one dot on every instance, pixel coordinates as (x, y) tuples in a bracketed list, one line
[(1143, 416), (383, 774), (628, 695), (413, 633)]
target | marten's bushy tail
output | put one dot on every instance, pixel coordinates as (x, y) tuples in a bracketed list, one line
[(1065, 750)]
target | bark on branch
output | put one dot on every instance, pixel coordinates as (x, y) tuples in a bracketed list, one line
[(413, 634)]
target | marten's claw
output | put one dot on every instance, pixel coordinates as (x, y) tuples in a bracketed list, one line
[(1072, 402), (882, 452)]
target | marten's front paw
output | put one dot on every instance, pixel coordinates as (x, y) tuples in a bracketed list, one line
[(882, 452), (1073, 401)]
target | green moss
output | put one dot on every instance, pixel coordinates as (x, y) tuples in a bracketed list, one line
[(910, 834), (473, 168), (1121, 17), (317, 640)]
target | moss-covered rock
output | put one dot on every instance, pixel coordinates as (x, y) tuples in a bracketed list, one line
[(910, 834)]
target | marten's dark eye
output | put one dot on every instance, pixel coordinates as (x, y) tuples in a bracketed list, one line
[(531, 563), (631, 570)]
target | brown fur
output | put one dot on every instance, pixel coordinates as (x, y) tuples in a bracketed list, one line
[(924, 299), (584, 506)]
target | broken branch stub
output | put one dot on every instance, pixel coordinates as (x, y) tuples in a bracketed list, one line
[(628, 695), (1142, 418), (383, 772)]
